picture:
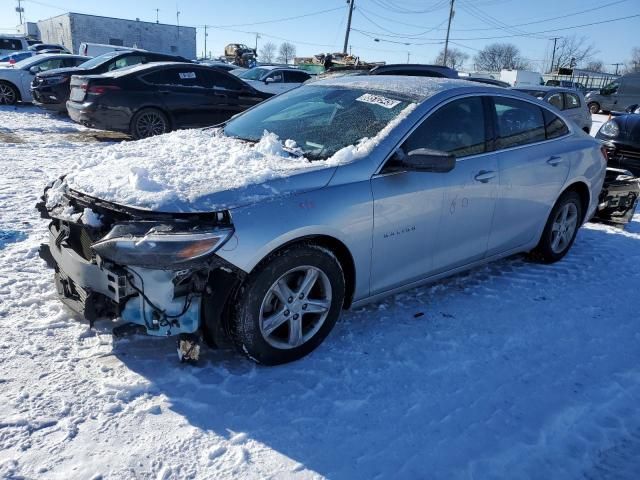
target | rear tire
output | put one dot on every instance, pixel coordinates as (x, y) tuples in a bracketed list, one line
[(288, 306), (594, 107), (9, 94), (561, 229), (149, 122)]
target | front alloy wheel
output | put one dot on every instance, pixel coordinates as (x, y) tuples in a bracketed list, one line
[(288, 305), (8, 94)]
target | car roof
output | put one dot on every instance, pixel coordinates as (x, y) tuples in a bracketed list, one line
[(419, 88), (152, 65), (546, 88)]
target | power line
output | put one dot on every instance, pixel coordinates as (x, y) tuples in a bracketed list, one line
[(277, 20)]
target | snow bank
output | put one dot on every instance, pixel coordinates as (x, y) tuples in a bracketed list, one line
[(178, 170)]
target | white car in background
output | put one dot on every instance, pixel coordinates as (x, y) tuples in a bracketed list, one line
[(274, 79), (15, 82)]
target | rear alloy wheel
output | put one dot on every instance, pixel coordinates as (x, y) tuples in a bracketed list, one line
[(149, 122), (8, 94), (289, 305), (594, 107), (561, 229)]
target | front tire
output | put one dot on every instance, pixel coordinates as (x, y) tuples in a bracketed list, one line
[(561, 229), (9, 94), (288, 306), (149, 122)]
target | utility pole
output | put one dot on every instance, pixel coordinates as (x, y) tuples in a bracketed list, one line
[(553, 55), (617, 65), (20, 10), (257, 37), (205, 41), (178, 22), (446, 42), (346, 35), (408, 57)]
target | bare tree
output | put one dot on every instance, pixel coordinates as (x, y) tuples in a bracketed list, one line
[(497, 56), (286, 52), (633, 65), (455, 58), (268, 52), (595, 66), (573, 52)]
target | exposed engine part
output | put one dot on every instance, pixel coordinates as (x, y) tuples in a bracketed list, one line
[(619, 197)]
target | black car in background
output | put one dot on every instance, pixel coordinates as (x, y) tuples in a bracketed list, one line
[(152, 99), (51, 90)]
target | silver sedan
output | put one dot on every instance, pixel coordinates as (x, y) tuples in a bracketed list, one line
[(417, 179)]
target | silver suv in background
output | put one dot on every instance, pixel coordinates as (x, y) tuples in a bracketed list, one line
[(617, 95), (571, 102)]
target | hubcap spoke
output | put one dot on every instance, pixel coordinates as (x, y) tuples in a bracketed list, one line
[(283, 292), (269, 324), (295, 332), (309, 281), (317, 306), (564, 227)]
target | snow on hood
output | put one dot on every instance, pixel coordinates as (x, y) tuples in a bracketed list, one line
[(204, 170)]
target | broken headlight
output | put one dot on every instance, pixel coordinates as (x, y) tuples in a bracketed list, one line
[(159, 244)]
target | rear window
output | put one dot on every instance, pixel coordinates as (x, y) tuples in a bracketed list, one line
[(519, 123), (10, 44)]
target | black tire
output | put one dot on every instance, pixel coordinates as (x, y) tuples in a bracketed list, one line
[(545, 252), (245, 325), (9, 94), (149, 122), (594, 107)]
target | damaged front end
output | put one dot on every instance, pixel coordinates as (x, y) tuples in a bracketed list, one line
[(619, 197), (153, 270)]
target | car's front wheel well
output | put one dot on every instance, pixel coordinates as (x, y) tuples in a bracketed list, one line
[(582, 190), (341, 252)]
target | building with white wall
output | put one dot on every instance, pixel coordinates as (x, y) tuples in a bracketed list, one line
[(71, 29)]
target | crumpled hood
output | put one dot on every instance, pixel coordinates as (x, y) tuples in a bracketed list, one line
[(194, 171)]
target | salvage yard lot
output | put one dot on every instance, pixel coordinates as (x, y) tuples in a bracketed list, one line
[(514, 370)]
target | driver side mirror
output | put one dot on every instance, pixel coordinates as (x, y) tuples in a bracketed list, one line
[(269, 80), (35, 69), (424, 160)]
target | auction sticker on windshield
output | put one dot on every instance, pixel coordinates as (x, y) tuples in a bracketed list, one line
[(378, 100), (185, 75)]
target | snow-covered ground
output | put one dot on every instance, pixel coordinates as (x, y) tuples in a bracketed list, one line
[(514, 370)]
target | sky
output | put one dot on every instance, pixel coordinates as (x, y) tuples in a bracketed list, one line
[(320, 25)]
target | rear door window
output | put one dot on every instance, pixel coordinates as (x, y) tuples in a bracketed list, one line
[(556, 101), (457, 128), (571, 100), (181, 77), (295, 77), (51, 64), (554, 126), (518, 122), (276, 77)]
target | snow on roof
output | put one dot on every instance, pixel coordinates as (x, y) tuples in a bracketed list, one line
[(146, 66), (419, 88)]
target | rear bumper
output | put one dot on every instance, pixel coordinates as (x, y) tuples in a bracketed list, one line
[(99, 116)]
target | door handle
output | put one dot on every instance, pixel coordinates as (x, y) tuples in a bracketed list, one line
[(554, 161), (164, 92), (485, 175)]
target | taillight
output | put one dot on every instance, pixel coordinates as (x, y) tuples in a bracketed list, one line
[(12, 61), (100, 89)]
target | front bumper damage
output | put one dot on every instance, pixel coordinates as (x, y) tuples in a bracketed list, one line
[(619, 197), (159, 300)]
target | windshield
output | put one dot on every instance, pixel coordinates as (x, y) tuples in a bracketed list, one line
[(321, 120), (99, 60), (254, 73)]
